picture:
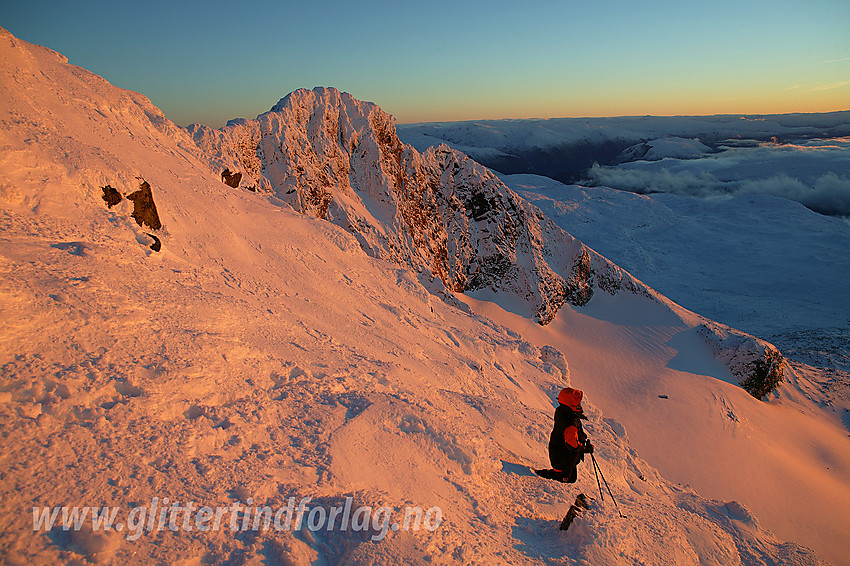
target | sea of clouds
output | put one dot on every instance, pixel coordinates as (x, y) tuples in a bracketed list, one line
[(815, 173)]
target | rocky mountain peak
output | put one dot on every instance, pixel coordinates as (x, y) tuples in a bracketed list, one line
[(334, 157), (438, 211)]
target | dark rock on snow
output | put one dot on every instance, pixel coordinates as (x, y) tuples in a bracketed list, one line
[(144, 209), (231, 179), (157, 244), (111, 196)]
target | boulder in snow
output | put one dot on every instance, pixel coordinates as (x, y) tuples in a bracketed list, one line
[(111, 196), (144, 208), (231, 179)]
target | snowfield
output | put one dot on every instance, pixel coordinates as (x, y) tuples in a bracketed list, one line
[(262, 354), (759, 263)]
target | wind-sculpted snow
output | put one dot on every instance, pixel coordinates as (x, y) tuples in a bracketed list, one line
[(439, 212), (261, 357)]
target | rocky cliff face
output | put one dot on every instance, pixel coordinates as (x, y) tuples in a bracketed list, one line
[(439, 212), (758, 365)]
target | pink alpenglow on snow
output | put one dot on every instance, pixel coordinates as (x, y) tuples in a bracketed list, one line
[(307, 342)]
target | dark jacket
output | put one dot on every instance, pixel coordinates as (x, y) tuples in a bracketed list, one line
[(567, 441)]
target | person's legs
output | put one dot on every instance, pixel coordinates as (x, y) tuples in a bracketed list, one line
[(564, 476)]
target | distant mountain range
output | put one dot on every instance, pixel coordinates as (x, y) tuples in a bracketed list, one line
[(566, 148)]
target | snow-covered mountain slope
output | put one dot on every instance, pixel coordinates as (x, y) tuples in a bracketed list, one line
[(654, 377), (438, 212), (759, 263), (261, 354), (756, 262), (663, 148)]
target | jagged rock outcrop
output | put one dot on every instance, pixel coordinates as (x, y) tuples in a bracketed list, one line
[(231, 179), (758, 365), (111, 196), (439, 212), (144, 208)]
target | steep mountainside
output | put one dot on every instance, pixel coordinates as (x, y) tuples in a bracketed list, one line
[(439, 212), (227, 353)]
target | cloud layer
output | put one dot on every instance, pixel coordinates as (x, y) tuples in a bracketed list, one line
[(815, 174)]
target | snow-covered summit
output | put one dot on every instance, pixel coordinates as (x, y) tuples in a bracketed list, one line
[(336, 158), (439, 212), (661, 148)]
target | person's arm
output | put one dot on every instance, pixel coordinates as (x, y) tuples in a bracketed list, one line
[(572, 440), (571, 437)]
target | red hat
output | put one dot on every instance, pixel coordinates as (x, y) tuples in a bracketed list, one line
[(570, 397)]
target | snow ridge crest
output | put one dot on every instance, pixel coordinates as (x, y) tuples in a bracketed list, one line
[(334, 157)]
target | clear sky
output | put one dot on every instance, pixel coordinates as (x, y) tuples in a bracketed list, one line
[(208, 61)]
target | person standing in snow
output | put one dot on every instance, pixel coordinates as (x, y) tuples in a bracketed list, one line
[(568, 443)]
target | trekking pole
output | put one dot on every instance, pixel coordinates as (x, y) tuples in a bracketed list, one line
[(596, 471), (606, 485)]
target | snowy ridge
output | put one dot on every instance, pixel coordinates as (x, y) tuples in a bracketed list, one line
[(262, 355), (661, 148), (439, 212)]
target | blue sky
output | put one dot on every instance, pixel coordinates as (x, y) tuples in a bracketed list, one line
[(451, 60)]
